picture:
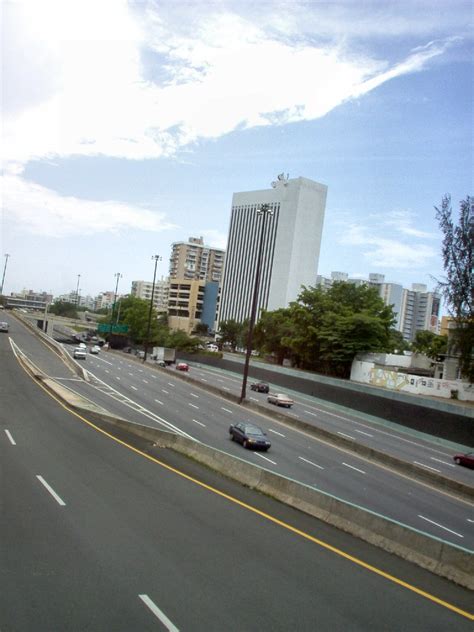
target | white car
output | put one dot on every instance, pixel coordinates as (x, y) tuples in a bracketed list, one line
[(4, 326), (95, 349), (80, 353), (280, 400)]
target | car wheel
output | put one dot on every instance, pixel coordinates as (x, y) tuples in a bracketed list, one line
[(458, 461), (232, 437), (245, 443)]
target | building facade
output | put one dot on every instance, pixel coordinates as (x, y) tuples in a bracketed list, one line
[(194, 260), (144, 290), (290, 249)]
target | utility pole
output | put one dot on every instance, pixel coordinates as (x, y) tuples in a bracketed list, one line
[(4, 270), (147, 340)]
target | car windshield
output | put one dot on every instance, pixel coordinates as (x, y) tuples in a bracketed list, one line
[(253, 430)]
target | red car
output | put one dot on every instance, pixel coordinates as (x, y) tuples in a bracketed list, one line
[(465, 459), (182, 366)]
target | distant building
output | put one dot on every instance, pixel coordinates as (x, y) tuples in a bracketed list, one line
[(105, 300), (291, 246), (194, 260), (144, 289), (415, 309)]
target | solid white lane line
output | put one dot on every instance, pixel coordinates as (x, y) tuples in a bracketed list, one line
[(11, 439), (165, 392), (443, 462), (193, 406), (354, 468), (311, 463), (57, 498), (254, 399), (227, 410), (158, 402), (277, 433), (343, 434), (427, 467), (265, 457), (194, 395), (173, 385), (198, 422), (159, 614), (134, 387), (440, 526), (106, 361), (362, 432)]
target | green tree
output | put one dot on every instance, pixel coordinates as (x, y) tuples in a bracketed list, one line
[(457, 287), (230, 332), (272, 334), (62, 308), (397, 343), (134, 312), (430, 344)]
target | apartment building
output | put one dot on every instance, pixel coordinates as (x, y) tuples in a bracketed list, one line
[(144, 290), (194, 260)]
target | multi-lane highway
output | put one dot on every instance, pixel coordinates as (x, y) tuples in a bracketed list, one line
[(161, 398), (96, 535)]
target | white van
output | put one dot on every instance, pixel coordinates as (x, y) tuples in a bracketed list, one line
[(80, 353)]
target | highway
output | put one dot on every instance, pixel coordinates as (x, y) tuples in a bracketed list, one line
[(161, 398), (99, 534)]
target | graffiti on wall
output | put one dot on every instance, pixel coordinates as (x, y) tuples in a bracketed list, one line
[(388, 379)]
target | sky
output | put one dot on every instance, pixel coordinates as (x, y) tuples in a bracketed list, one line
[(127, 126)]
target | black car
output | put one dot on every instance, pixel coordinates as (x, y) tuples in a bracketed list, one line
[(249, 435), (260, 387)]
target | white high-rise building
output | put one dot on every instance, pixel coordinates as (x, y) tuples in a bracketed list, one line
[(144, 289), (291, 246), (420, 311)]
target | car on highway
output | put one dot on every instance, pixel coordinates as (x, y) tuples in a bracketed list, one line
[(95, 349), (260, 387), (279, 399), (182, 366), (465, 459), (80, 353), (4, 326), (249, 435)]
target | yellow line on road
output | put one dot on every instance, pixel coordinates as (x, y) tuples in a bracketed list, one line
[(272, 519)]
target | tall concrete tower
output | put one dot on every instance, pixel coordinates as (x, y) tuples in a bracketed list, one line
[(291, 246)]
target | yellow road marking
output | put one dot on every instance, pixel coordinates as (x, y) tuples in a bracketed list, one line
[(270, 518)]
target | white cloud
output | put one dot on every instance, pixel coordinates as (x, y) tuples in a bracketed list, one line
[(43, 212), (220, 71), (386, 252), (403, 222)]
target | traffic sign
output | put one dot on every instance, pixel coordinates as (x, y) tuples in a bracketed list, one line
[(106, 328)]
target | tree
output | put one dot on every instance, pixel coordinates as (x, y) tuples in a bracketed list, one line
[(62, 308), (430, 344), (272, 332), (457, 287), (230, 332), (134, 312)]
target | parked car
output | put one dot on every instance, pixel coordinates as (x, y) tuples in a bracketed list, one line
[(465, 459), (279, 399), (182, 366), (80, 353), (249, 435), (260, 387), (95, 349), (4, 326)]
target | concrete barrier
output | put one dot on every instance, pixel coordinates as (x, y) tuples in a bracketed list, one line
[(439, 557)]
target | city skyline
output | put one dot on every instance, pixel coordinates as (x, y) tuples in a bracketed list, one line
[(128, 127)]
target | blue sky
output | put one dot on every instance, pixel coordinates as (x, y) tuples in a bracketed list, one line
[(128, 126)]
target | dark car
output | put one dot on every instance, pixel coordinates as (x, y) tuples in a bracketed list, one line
[(249, 435), (465, 459), (260, 387)]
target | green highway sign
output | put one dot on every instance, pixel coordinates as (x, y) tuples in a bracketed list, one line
[(106, 328)]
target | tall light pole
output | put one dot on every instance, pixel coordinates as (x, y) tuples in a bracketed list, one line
[(77, 290), (4, 270), (262, 212), (118, 276), (147, 340)]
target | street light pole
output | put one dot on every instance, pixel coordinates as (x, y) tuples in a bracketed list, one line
[(118, 276), (3, 277), (263, 211), (77, 290), (147, 340)]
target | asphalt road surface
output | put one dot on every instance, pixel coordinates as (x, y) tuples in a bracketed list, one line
[(97, 534)]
